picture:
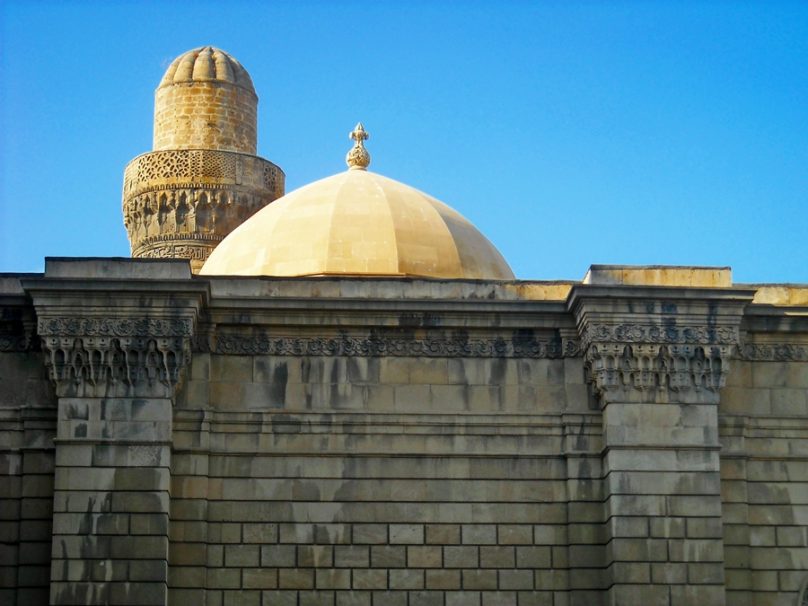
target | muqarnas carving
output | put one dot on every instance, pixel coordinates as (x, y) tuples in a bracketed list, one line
[(182, 203)]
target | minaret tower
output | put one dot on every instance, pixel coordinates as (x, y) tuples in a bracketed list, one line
[(203, 178)]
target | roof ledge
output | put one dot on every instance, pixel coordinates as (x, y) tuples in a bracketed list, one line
[(117, 268), (659, 275)]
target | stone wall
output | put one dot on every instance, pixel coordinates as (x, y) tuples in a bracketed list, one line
[(764, 477), (235, 441), (27, 428), (205, 115), (359, 480)]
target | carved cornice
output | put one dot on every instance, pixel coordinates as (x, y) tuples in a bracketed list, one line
[(16, 341), (669, 334), (773, 352), (620, 368), (17, 327), (16, 336), (658, 344), (115, 327), (646, 361), (116, 356), (392, 345), (646, 357)]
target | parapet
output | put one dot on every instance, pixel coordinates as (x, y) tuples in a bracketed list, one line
[(659, 275)]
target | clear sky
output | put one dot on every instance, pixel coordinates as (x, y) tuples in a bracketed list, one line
[(570, 133)]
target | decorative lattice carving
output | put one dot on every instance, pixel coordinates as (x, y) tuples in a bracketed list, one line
[(182, 203), (271, 178), (218, 166), (17, 329), (115, 327), (199, 168)]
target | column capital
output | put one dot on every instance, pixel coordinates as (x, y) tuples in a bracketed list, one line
[(116, 335), (657, 343)]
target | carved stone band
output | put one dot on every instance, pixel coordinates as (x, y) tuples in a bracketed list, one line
[(201, 168), (518, 347), (774, 352), (181, 203), (634, 333), (115, 327)]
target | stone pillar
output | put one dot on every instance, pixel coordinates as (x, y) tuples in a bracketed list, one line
[(116, 351), (656, 358), (27, 414)]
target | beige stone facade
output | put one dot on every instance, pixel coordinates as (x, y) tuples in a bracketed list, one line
[(168, 438)]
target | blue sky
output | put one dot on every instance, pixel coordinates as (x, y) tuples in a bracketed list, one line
[(570, 133)]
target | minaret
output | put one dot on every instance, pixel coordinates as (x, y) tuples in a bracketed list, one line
[(203, 178)]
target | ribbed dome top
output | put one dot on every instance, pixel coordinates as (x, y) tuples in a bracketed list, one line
[(207, 63), (358, 223)]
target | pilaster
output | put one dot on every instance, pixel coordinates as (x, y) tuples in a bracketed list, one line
[(27, 426), (116, 349), (656, 358)]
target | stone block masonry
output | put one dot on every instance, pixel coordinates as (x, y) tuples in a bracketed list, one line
[(228, 441), (114, 376), (658, 390), (27, 427), (205, 115)]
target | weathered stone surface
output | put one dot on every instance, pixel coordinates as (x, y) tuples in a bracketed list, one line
[(307, 453)]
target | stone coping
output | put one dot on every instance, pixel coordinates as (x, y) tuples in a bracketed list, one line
[(390, 288), (117, 268), (659, 275), (405, 288), (786, 295)]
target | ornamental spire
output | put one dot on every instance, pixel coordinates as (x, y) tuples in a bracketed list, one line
[(358, 157)]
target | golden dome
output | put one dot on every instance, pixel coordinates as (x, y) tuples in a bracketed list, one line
[(358, 223), (207, 63)]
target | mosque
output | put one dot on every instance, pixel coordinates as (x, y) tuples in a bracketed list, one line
[(342, 396)]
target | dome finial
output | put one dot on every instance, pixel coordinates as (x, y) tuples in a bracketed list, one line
[(358, 157)]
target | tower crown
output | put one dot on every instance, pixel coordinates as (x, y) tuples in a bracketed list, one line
[(205, 64), (206, 100)]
